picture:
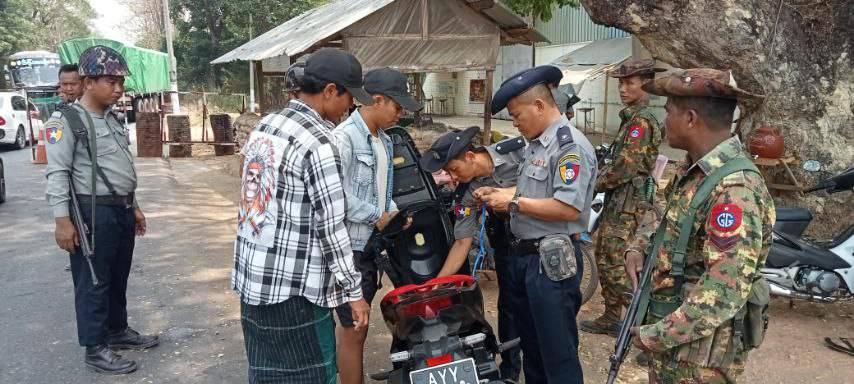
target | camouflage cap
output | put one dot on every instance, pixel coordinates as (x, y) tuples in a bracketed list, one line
[(698, 82), (636, 67), (100, 60)]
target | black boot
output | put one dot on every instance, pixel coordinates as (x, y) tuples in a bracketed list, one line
[(130, 339), (102, 359)]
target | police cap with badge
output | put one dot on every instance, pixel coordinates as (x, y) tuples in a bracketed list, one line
[(446, 148), (522, 82)]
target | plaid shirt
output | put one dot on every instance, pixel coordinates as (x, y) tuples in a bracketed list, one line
[(291, 237)]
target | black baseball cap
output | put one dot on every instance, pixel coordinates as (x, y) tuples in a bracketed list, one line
[(446, 148), (391, 83), (293, 80), (341, 68)]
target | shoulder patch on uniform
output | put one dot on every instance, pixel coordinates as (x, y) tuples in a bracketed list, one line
[(635, 132), (564, 135), (726, 217), (569, 166), (506, 146), (53, 131), (462, 211), (723, 243)]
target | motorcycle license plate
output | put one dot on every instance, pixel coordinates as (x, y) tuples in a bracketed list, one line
[(457, 372)]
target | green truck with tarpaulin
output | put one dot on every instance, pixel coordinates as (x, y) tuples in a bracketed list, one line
[(149, 70)]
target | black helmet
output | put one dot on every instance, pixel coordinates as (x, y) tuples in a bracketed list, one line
[(293, 81), (100, 60)]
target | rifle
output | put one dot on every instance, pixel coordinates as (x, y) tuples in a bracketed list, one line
[(82, 232), (636, 312)]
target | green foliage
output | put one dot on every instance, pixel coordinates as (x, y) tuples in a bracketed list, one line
[(27, 25), (60, 20), (207, 29), (16, 27), (541, 9)]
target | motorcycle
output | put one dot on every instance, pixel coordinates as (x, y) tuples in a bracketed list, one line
[(798, 268), (439, 330), (440, 334)]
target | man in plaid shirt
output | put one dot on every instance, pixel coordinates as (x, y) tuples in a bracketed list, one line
[(293, 260)]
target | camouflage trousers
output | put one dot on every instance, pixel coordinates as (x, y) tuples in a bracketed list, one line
[(610, 260), (663, 370)]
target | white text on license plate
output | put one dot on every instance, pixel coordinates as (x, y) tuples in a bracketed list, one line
[(457, 372)]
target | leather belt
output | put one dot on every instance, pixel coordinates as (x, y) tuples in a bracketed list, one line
[(523, 247), (107, 199)]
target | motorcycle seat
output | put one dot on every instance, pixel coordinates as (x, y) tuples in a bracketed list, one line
[(793, 221), (790, 251), (793, 214)]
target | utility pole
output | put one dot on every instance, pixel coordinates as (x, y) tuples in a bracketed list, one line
[(173, 67), (251, 74)]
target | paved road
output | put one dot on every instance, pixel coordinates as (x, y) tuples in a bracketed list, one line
[(178, 285), (179, 289)]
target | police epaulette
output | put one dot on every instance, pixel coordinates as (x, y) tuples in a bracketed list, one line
[(506, 146), (564, 135)]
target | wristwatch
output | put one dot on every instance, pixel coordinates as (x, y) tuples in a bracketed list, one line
[(513, 206)]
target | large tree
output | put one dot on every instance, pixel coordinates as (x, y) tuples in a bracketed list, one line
[(207, 29), (146, 23), (16, 27), (59, 20), (797, 52)]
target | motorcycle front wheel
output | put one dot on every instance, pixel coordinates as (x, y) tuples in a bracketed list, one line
[(590, 274)]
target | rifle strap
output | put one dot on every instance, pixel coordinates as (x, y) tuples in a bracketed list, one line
[(686, 222), (82, 136), (686, 227)]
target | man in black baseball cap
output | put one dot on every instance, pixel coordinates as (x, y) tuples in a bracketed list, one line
[(338, 67), (291, 215), (366, 158)]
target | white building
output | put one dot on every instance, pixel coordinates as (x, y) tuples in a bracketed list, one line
[(570, 30)]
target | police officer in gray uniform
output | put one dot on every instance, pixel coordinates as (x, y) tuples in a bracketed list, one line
[(549, 208), (87, 149), (474, 166)]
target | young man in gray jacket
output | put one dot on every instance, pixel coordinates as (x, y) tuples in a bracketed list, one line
[(366, 156)]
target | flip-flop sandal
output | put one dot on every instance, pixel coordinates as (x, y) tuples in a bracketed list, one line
[(847, 348)]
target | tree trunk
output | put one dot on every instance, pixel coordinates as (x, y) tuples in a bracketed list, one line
[(796, 52)]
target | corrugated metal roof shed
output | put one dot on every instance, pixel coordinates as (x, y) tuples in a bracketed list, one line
[(592, 60), (302, 32), (324, 24), (573, 25)]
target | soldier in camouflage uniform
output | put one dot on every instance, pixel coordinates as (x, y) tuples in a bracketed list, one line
[(624, 178), (696, 330)]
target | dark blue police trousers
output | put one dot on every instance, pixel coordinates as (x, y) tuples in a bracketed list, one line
[(499, 238), (544, 312), (102, 309)]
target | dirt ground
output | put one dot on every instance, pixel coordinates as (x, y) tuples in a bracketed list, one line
[(793, 351)]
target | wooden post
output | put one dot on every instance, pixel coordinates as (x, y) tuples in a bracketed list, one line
[(259, 87), (487, 108), (605, 109), (418, 98), (204, 116)]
